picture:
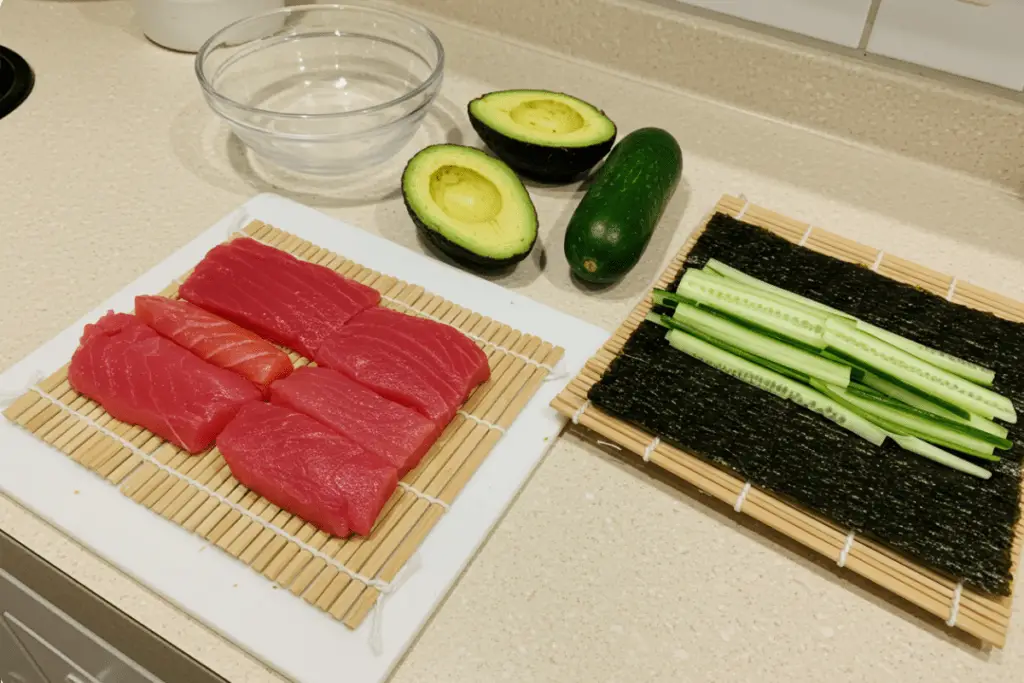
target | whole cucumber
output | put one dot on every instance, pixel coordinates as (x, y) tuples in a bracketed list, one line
[(614, 221)]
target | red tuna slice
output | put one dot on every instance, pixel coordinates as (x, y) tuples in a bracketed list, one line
[(215, 339), (307, 468), (396, 434), (423, 364), (143, 379), (125, 325), (288, 301)]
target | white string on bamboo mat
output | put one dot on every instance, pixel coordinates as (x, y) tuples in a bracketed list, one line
[(954, 608), (740, 499), (558, 372), (377, 618), (425, 496), (878, 261), (514, 354), (650, 449), (807, 234), (951, 290), (579, 412), (846, 549), (602, 442), (485, 423), (382, 586), (743, 211)]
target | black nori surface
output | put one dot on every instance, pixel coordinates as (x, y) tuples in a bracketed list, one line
[(941, 518)]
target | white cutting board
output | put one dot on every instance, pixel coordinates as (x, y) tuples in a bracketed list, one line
[(292, 637)]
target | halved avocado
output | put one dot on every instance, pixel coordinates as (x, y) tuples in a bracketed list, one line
[(470, 205), (546, 136)]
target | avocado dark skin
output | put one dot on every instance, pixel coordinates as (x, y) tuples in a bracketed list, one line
[(549, 165)]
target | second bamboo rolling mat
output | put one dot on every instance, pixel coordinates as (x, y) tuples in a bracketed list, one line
[(981, 615)]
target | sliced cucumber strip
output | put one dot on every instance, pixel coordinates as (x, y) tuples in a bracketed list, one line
[(860, 371), (856, 372), (893, 428), (664, 297), (750, 307), (864, 390), (897, 392), (763, 346), (673, 324), (794, 301), (777, 384), (927, 450), (885, 359), (953, 424), (736, 275), (958, 366), (890, 415)]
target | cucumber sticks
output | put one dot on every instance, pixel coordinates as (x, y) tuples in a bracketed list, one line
[(739, 277), (897, 392), (868, 380), (765, 347), (772, 382), (957, 366), (919, 374), (767, 314)]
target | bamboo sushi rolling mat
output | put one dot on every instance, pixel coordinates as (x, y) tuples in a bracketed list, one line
[(343, 577), (984, 616)]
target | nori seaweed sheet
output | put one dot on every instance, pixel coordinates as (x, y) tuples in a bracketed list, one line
[(943, 519)]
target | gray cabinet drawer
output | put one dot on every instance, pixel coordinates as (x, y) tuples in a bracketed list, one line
[(16, 665), (54, 666), (63, 651)]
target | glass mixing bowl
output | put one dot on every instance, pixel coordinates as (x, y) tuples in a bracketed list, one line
[(322, 89)]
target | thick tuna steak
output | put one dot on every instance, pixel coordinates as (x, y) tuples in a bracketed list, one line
[(393, 432), (307, 469), (215, 339), (426, 365), (141, 378), (288, 301)]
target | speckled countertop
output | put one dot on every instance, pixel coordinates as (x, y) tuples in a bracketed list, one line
[(600, 571)]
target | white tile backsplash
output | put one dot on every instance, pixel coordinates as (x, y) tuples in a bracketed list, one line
[(980, 39), (837, 21)]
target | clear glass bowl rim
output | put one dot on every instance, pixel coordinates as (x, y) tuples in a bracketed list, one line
[(293, 9)]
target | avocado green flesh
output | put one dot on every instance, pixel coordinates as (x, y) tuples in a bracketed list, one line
[(470, 205), (544, 136), (544, 118)]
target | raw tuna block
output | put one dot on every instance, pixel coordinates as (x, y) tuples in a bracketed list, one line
[(288, 301), (396, 434), (141, 378), (215, 339), (426, 365), (307, 469)]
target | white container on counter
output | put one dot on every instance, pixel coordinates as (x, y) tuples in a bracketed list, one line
[(185, 25)]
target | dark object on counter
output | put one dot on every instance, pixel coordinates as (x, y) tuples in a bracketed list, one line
[(16, 80), (545, 136), (469, 205), (956, 524), (614, 221)]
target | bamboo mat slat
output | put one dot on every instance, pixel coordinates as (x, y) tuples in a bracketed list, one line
[(984, 616), (344, 577)]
